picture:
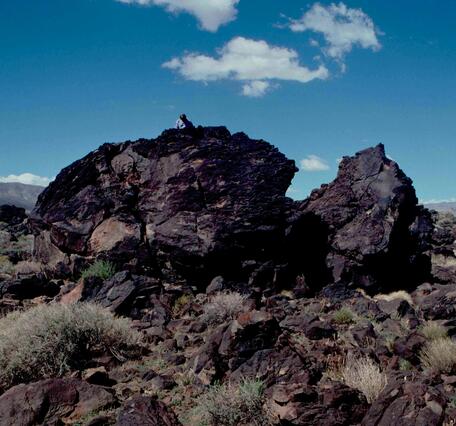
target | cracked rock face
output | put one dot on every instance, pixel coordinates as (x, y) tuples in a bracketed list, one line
[(376, 231), (185, 204), (191, 206)]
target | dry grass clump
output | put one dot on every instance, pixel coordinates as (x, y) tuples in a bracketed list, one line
[(50, 340), (344, 315), (231, 405), (223, 307), (23, 244), (365, 375), (433, 331), (6, 267), (439, 355), (27, 267), (401, 295)]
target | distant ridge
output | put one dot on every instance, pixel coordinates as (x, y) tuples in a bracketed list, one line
[(19, 194), (444, 207)]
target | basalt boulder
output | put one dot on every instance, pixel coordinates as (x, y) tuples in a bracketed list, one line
[(372, 232), (187, 205), (12, 215), (52, 402), (191, 206)]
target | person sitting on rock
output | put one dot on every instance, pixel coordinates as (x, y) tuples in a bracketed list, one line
[(184, 123)]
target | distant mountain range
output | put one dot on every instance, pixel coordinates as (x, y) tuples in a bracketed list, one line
[(19, 194), (443, 207)]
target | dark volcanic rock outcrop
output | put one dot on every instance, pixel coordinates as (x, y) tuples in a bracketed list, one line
[(183, 204), (146, 411), (52, 402), (12, 215), (188, 207), (376, 232)]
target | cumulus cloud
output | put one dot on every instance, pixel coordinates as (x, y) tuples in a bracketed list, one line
[(210, 13), (342, 28), (313, 163), (255, 89), (26, 178), (253, 62)]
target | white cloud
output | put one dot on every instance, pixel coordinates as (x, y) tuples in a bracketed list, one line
[(27, 178), (254, 62), (255, 89), (313, 163), (341, 27), (210, 13)]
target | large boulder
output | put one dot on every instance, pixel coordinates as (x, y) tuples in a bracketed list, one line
[(146, 411), (369, 218), (187, 204), (407, 401), (52, 402), (443, 253), (12, 215), (191, 206)]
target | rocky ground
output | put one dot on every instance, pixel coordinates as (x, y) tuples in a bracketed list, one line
[(245, 307)]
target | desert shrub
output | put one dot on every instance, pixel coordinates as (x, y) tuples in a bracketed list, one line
[(365, 375), (101, 269), (181, 303), (27, 267), (232, 405), (401, 295), (344, 316), (433, 331), (6, 267), (439, 355), (335, 364), (405, 365), (50, 340), (223, 307), (23, 244)]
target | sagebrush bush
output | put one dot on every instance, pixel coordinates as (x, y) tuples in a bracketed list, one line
[(50, 340), (101, 269), (344, 315), (439, 355), (223, 307), (232, 405), (433, 331), (365, 375)]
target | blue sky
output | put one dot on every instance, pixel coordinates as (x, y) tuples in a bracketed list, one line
[(328, 80)]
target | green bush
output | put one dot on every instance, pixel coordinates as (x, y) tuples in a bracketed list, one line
[(50, 340), (232, 405), (100, 269), (344, 316)]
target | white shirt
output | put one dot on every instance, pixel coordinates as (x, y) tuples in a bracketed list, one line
[(180, 124)]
